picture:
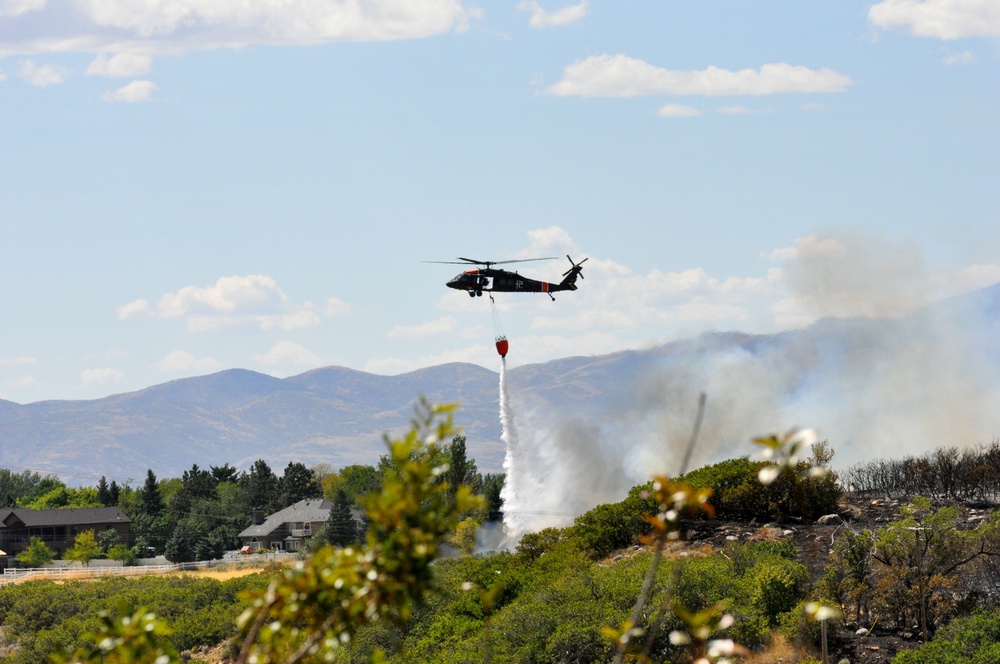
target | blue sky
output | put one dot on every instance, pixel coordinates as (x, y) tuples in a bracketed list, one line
[(188, 186)]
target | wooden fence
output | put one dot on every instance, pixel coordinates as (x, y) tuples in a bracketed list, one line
[(17, 574)]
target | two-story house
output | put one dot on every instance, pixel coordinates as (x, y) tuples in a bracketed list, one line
[(287, 529), (57, 528)]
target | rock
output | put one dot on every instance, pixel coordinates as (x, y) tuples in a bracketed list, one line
[(787, 532), (830, 520), (732, 538), (861, 631)]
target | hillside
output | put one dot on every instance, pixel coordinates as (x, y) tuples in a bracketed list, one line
[(868, 384)]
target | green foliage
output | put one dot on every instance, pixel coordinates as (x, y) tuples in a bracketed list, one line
[(606, 528), (922, 569), (259, 486), (317, 606), (738, 494), (107, 539), (341, 529), (37, 554), (85, 548), (150, 499), (973, 639), (534, 545), (461, 469), (42, 618), (492, 488), (127, 555), (355, 481), (297, 483), (16, 486), (127, 637), (464, 538), (62, 497)]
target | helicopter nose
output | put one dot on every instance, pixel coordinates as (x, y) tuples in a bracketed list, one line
[(453, 283)]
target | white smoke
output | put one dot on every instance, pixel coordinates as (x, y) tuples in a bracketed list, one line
[(880, 377)]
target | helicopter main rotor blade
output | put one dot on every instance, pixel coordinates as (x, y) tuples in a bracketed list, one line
[(524, 260), (470, 261)]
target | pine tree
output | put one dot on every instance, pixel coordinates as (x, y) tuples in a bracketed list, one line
[(150, 500), (103, 492), (298, 483), (341, 529)]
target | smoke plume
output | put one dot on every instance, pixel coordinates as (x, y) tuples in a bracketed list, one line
[(885, 372)]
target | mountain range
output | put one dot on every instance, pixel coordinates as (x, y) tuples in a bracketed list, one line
[(339, 416)]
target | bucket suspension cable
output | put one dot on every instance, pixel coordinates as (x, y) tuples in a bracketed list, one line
[(501, 338)]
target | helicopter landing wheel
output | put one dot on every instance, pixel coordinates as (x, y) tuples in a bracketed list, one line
[(479, 293), (472, 293)]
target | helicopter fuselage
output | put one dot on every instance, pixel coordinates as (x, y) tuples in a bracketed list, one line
[(490, 280)]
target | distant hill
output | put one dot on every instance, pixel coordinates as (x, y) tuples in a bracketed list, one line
[(338, 416)]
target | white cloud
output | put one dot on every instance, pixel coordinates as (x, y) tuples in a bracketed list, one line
[(181, 361), (289, 352), (135, 309), (13, 8), (432, 328), (12, 361), (623, 76), (120, 65), (183, 25), (551, 241), (42, 76), (133, 93), (235, 302), (943, 19), (336, 307), (677, 111), (101, 376), (540, 18), (3, 77), (963, 58)]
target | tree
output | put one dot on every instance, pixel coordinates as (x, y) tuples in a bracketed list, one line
[(14, 486), (37, 554), (150, 500), (225, 473), (104, 492), (317, 606), (355, 480), (66, 497), (492, 487), (298, 483), (183, 544), (196, 485), (341, 529), (107, 539), (259, 486), (127, 555), (85, 548), (461, 470)]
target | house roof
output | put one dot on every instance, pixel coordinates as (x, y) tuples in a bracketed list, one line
[(310, 510), (22, 517)]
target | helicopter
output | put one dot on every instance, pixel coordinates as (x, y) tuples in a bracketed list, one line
[(487, 278)]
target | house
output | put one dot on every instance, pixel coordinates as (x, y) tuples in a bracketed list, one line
[(57, 528), (287, 529)]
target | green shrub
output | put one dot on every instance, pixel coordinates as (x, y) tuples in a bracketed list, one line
[(737, 493)]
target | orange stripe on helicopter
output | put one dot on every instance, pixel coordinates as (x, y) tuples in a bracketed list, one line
[(545, 287)]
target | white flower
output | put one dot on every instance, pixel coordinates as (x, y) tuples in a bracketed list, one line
[(768, 474)]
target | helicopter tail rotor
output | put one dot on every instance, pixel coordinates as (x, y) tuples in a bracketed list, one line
[(570, 275)]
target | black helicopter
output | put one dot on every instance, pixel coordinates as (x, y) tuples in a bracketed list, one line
[(487, 278)]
